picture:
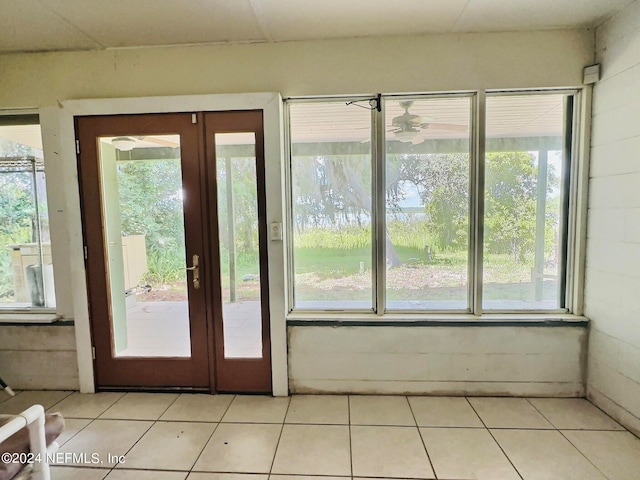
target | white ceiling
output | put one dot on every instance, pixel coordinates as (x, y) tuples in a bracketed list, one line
[(49, 25)]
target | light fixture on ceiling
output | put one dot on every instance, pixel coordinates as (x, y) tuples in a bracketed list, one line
[(407, 136), (124, 144)]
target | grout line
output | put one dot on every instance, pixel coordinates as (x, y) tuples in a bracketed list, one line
[(581, 453), (275, 452), (494, 438), (350, 436), (424, 445), (226, 410), (211, 436), (540, 412)]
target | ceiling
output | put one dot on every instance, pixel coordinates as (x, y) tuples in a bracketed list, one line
[(53, 25)]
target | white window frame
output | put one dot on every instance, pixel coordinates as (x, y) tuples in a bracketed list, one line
[(575, 213), (12, 314)]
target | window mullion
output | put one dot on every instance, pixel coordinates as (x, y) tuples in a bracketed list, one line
[(379, 209), (477, 207)]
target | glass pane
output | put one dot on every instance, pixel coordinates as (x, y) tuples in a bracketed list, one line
[(142, 202), (523, 191), (331, 206), (427, 203), (239, 244), (26, 270)]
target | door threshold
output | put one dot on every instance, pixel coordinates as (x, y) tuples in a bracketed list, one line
[(155, 389)]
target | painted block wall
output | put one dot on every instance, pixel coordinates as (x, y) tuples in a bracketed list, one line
[(613, 237), (402, 64), (34, 357), (443, 360)]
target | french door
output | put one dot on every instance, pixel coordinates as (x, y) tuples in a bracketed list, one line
[(174, 224)]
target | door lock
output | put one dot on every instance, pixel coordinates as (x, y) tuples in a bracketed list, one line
[(195, 268)]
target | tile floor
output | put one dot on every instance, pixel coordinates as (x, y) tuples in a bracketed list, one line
[(145, 436)]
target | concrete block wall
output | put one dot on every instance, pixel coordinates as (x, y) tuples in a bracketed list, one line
[(38, 357), (438, 360), (612, 289)]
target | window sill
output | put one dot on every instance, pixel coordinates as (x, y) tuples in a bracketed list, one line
[(437, 320), (28, 318)]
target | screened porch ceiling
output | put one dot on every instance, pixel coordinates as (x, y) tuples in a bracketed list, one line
[(508, 117), (58, 25)]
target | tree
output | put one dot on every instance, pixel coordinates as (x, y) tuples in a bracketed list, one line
[(443, 183), (510, 203), (151, 204)]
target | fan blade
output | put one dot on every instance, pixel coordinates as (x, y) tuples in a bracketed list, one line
[(446, 126), (160, 141)]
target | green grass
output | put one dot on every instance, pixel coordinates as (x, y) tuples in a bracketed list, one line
[(331, 262)]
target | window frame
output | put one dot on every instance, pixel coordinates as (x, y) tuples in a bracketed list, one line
[(29, 314), (573, 130)]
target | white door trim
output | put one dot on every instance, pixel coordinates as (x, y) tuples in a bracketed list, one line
[(59, 145)]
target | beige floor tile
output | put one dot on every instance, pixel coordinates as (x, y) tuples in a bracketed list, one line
[(444, 412), (313, 450), (319, 409), (106, 439), (241, 448), (483, 459), (508, 413), (198, 408), (257, 409), (304, 477), (574, 414), (169, 446), (380, 410), (227, 476), (23, 400), (122, 474), (616, 454), (140, 406), (396, 452), (86, 405), (71, 427), (77, 473), (545, 455)]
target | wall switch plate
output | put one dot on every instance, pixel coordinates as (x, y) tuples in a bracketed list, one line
[(275, 231)]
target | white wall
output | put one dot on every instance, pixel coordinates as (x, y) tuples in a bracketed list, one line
[(613, 239), (366, 65), (511, 60), (440, 360)]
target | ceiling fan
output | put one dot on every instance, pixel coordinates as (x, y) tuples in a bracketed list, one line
[(128, 143), (411, 128)]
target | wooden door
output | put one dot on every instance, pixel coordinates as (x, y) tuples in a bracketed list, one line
[(143, 217), (174, 218)]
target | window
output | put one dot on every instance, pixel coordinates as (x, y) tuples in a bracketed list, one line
[(416, 221), (26, 271), (427, 166), (331, 191), (523, 201)]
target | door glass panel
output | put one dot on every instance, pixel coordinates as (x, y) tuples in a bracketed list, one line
[(142, 201), (239, 242)]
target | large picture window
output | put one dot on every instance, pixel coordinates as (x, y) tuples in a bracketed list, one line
[(394, 210), (26, 270)]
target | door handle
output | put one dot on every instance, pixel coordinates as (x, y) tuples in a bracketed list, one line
[(195, 268)]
